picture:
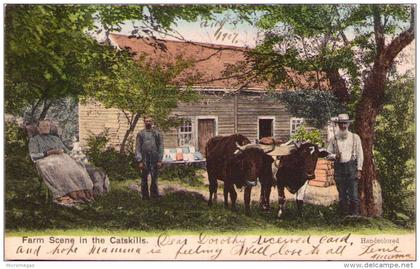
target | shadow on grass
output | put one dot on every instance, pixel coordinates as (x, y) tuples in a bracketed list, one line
[(178, 210)]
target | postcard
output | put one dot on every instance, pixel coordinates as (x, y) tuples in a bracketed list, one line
[(230, 132)]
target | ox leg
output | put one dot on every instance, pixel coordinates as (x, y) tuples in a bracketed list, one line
[(247, 200), (215, 192), (265, 197), (233, 196), (282, 201), (212, 191), (262, 197), (299, 198), (225, 194), (299, 204)]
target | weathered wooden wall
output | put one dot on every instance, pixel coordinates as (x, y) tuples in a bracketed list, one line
[(209, 105), (94, 119), (233, 114), (251, 106)]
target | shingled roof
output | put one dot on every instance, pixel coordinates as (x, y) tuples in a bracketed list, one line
[(213, 63)]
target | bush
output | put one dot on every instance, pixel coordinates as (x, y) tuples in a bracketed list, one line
[(314, 105), (24, 189), (118, 166), (185, 174), (395, 151), (313, 136)]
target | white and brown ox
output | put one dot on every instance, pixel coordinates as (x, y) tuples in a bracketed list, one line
[(294, 165)]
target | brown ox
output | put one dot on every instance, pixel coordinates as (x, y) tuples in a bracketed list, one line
[(293, 172), (234, 160)]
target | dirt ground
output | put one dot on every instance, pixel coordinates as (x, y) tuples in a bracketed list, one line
[(313, 195)]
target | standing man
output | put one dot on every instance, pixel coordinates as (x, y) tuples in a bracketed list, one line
[(347, 153), (149, 154)]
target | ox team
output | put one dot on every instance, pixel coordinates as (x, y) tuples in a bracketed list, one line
[(238, 162), (234, 160)]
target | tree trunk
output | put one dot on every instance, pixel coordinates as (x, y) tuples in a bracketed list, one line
[(338, 84), (132, 126), (45, 109), (367, 110)]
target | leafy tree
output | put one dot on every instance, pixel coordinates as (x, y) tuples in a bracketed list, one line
[(139, 88), (394, 148), (317, 107), (49, 53), (353, 47)]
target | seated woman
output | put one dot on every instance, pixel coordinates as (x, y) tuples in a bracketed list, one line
[(68, 180)]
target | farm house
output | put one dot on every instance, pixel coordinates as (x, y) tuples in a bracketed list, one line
[(225, 106)]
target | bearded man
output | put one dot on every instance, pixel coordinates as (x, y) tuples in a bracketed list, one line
[(347, 153)]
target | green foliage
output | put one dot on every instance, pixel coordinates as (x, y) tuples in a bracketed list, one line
[(140, 87), (22, 183), (118, 166), (190, 175), (47, 54), (317, 107), (313, 136), (323, 39), (395, 149)]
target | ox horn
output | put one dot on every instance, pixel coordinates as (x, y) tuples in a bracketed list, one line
[(289, 142), (312, 149), (241, 148)]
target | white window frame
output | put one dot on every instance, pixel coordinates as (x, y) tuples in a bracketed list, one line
[(210, 117), (302, 120), (178, 132), (266, 118)]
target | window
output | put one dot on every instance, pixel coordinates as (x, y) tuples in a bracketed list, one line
[(185, 133), (294, 125), (265, 127)]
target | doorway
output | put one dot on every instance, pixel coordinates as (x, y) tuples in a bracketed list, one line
[(206, 130), (265, 127)]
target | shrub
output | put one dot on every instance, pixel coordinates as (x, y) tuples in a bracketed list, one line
[(395, 151), (24, 191), (185, 174), (313, 136), (118, 166)]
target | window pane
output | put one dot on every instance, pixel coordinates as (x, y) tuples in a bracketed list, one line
[(185, 133)]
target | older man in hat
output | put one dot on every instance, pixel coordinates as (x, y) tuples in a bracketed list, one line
[(347, 153)]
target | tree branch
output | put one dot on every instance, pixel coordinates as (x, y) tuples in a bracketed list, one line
[(344, 37), (378, 30), (127, 116), (400, 42), (34, 108), (228, 77)]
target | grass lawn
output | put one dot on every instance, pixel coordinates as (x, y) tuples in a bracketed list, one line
[(122, 212)]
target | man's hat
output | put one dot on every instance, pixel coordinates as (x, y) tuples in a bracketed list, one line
[(343, 118)]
